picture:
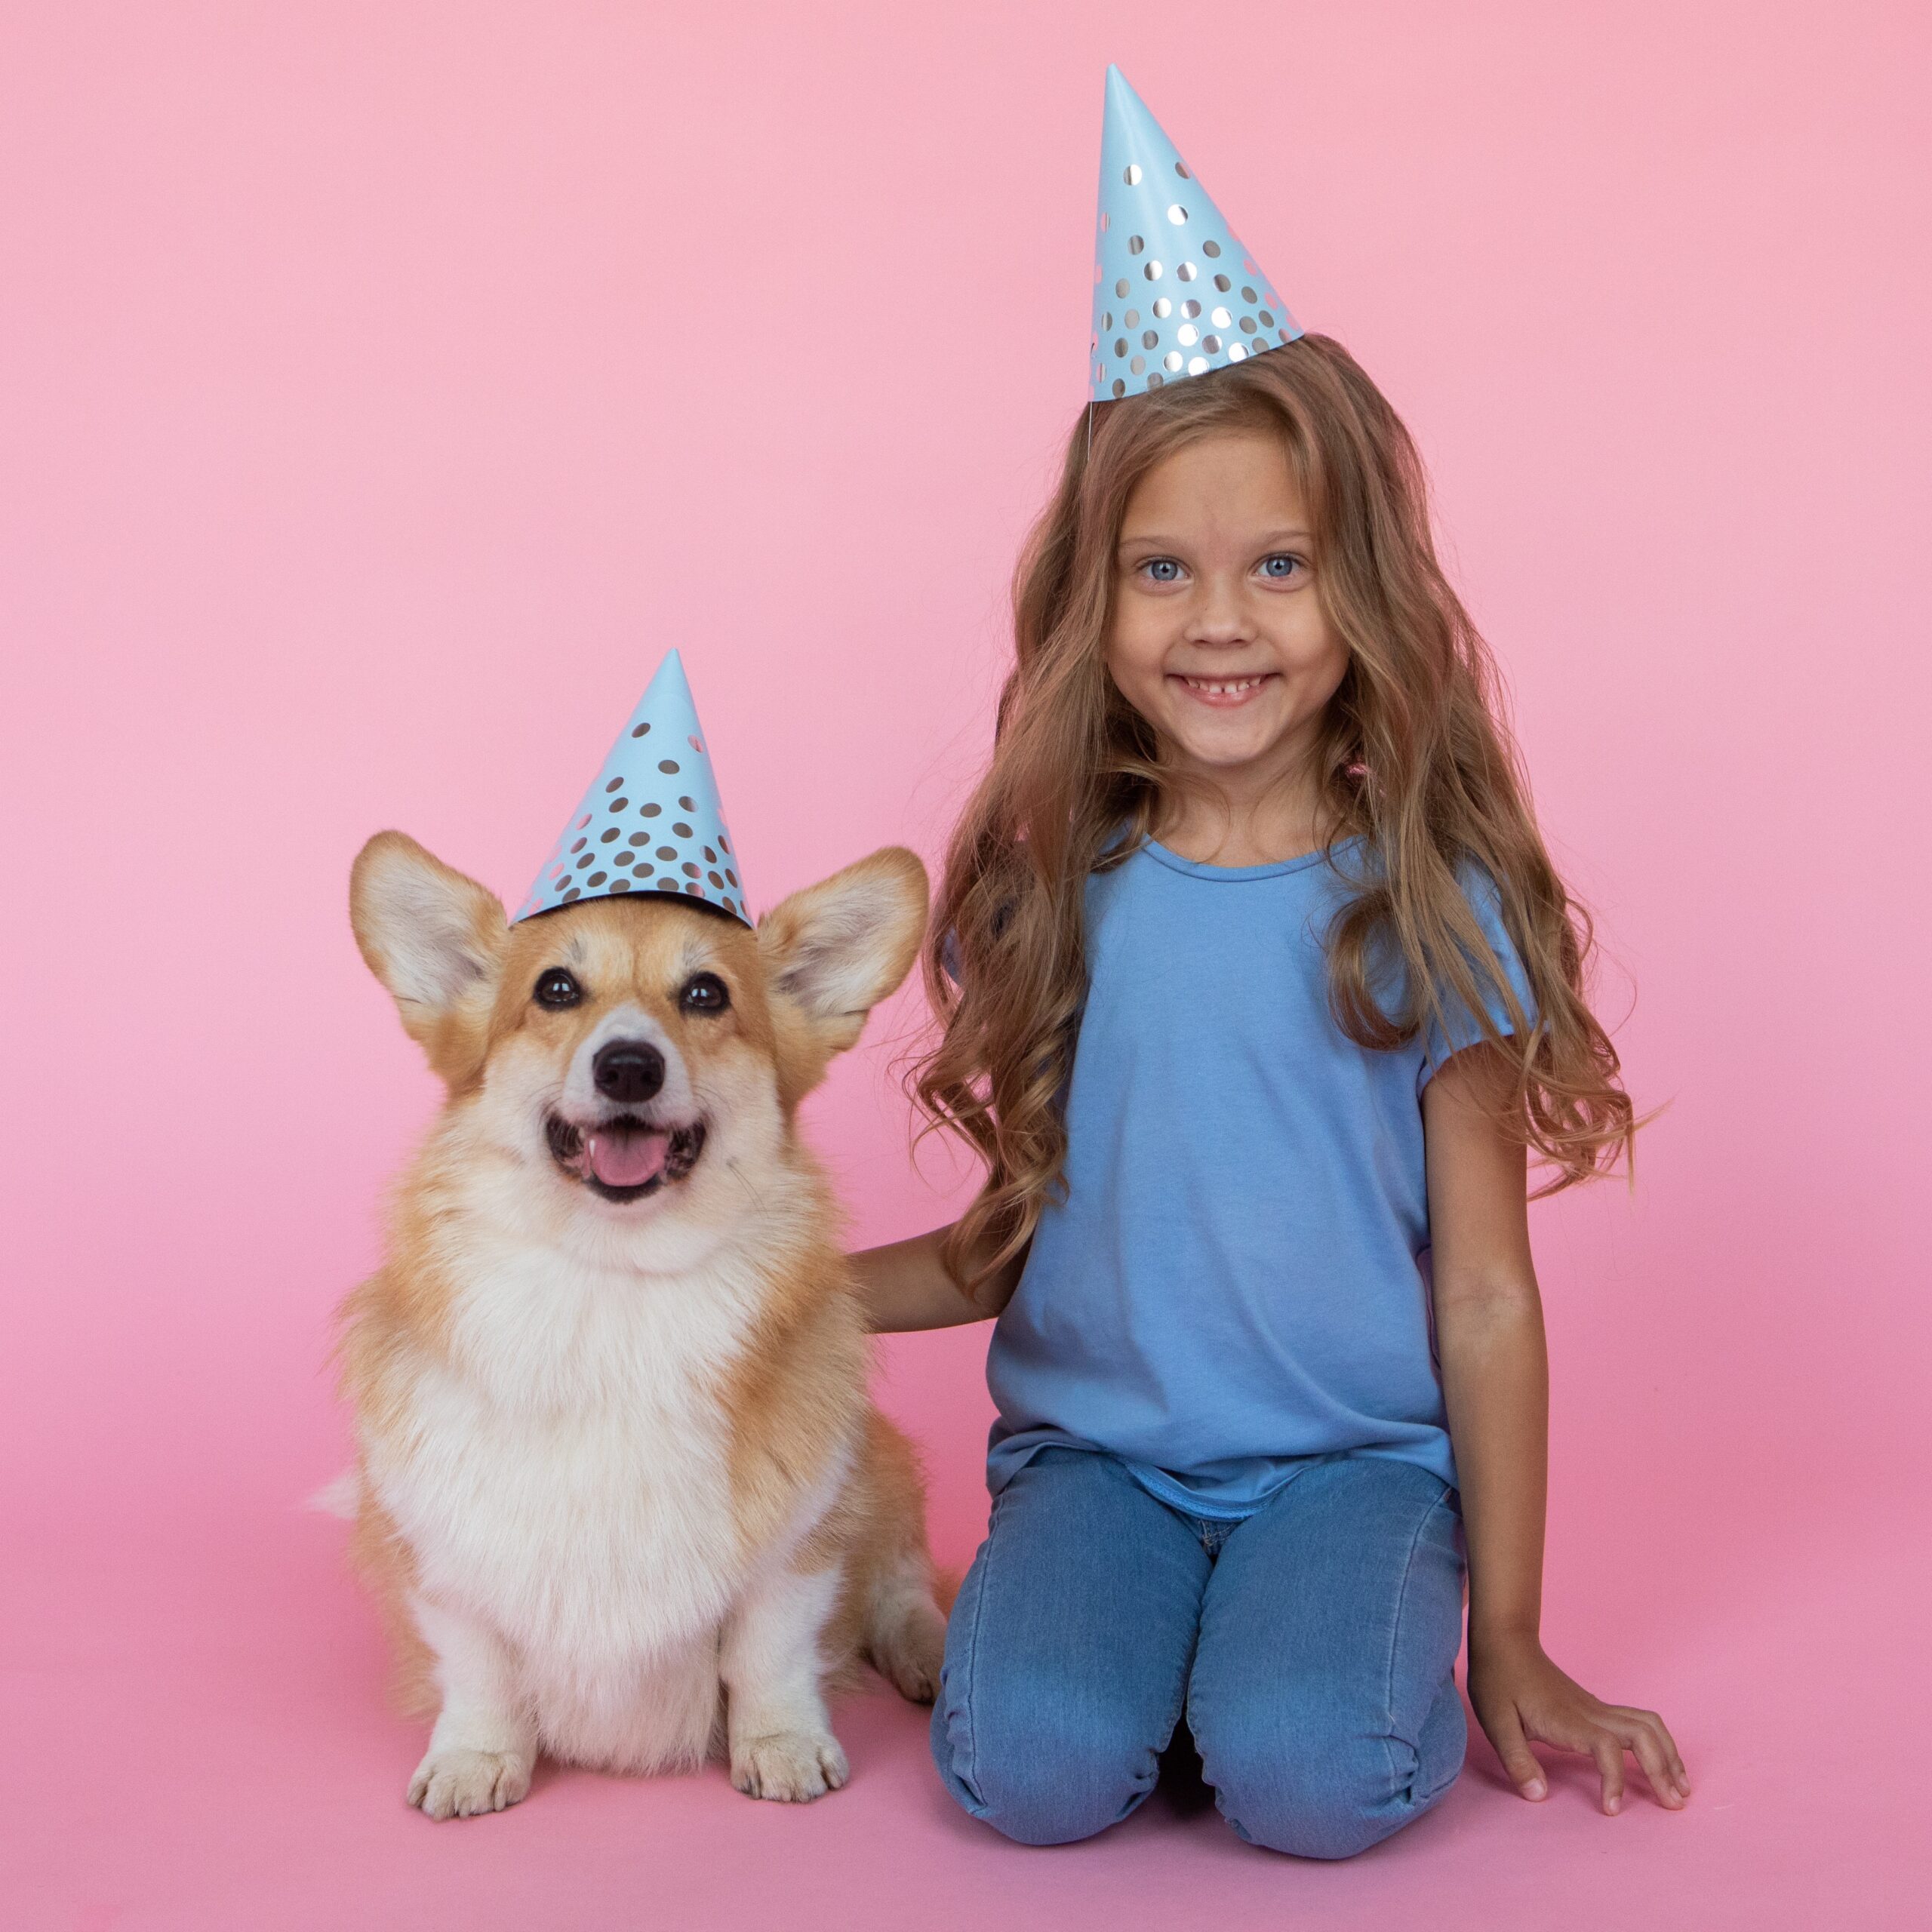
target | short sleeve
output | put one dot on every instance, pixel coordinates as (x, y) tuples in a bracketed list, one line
[(1460, 1027)]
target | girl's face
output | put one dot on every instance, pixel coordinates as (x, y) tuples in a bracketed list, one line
[(1218, 638)]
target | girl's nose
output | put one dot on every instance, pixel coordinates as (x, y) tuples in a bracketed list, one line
[(1220, 615)]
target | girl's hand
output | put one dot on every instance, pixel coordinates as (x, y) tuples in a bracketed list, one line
[(1519, 1695)]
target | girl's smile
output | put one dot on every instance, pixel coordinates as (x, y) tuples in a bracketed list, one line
[(1223, 693)]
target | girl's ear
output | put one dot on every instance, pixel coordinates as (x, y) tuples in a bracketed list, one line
[(435, 939), (832, 952)]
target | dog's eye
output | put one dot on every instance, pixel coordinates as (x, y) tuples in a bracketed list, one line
[(705, 993), (556, 988)]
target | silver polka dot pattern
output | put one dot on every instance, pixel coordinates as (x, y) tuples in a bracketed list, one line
[(1136, 348)]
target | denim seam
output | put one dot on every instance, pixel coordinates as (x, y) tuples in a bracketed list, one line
[(1395, 1644), (963, 1705)]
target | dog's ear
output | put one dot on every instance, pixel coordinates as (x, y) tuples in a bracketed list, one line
[(832, 952), (435, 939)]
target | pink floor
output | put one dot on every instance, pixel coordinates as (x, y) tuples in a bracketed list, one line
[(196, 1739)]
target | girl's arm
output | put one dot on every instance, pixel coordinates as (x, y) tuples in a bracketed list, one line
[(904, 1285), (1495, 1384)]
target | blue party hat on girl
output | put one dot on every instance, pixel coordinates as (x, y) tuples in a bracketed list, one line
[(650, 821), (1175, 294)]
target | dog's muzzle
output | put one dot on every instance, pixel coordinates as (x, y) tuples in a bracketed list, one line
[(624, 1157)]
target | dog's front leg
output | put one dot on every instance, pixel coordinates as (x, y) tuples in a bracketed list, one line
[(483, 1746), (781, 1741)]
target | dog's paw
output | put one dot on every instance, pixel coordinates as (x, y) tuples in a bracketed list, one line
[(465, 1784), (909, 1655), (794, 1767)]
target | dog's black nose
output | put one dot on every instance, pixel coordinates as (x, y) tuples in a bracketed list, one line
[(628, 1071)]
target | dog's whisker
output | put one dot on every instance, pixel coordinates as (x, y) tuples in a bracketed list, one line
[(732, 1166)]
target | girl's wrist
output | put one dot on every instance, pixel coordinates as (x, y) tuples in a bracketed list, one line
[(1515, 1632)]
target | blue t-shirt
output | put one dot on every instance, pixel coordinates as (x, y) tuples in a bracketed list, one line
[(1236, 1282)]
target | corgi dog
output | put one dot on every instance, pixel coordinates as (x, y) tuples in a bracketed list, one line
[(618, 1485)]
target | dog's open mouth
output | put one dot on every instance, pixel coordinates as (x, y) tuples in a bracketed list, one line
[(624, 1158)]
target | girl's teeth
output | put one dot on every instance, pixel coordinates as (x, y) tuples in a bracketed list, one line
[(1233, 689)]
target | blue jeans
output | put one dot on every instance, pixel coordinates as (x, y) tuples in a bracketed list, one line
[(1311, 1646)]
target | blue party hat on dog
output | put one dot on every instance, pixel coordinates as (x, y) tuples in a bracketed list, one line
[(650, 821), (1175, 294)]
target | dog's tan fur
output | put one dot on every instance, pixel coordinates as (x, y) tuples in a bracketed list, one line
[(619, 1487)]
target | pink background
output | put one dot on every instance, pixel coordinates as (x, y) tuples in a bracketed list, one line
[(386, 386)]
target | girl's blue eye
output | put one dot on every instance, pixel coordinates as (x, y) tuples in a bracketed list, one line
[(1162, 570), (1280, 566)]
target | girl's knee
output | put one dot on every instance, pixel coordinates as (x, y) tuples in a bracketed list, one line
[(1319, 1790), (1041, 1779)]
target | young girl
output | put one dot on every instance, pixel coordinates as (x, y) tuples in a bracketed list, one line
[(1257, 989)]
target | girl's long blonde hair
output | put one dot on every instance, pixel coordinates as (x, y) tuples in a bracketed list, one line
[(1416, 758)]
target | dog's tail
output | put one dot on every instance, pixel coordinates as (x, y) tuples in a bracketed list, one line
[(342, 1497)]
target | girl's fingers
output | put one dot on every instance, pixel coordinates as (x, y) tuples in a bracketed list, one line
[(1642, 1738), (1673, 1762), (1518, 1760), (1606, 1748)]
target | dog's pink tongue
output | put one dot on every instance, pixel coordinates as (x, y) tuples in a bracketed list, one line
[(626, 1160)]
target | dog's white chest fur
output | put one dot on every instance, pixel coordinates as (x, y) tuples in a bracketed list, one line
[(566, 1481)]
